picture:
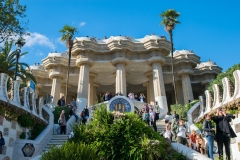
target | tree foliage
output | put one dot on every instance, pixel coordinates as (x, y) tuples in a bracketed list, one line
[(228, 74), (67, 32), (8, 63), (10, 24), (169, 19)]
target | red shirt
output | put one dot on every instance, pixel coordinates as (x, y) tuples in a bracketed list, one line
[(193, 138)]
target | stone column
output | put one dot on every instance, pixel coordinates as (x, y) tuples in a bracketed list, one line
[(37, 88), (82, 92), (159, 88), (95, 86), (91, 88), (150, 91), (179, 93), (63, 91), (121, 78), (187, 88), (55, 92)]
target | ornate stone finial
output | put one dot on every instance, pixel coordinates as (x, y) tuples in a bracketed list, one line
[(105, 37), (209, 60), (152, 34), (38, 64), (35, 64)]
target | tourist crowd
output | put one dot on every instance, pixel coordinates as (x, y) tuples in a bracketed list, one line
[(176, 131)]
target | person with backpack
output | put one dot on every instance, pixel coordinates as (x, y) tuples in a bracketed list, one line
[(153, 119)]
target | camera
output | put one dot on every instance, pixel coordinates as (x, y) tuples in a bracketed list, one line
[(230, 116)]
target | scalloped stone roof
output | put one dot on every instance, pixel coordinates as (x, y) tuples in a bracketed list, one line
[(177, 52), (206, 64)]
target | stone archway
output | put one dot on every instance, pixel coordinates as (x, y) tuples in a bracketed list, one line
[(121, 101)]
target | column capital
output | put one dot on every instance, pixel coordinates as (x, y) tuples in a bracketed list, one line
[(93, 75), (118, 60), (84, 60), (156, 59), (148, 73), (96, 85), (185, 72), (56, 74)]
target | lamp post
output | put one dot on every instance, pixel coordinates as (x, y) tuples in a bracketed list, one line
[(20, 42)]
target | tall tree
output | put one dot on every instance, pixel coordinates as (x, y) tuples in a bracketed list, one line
[(8, 63), (67, 35), (10, 25), (169, 20)]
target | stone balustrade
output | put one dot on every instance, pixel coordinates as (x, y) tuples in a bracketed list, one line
[(15, 103)]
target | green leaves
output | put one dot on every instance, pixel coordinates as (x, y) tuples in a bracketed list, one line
[(169, 18), (10, 26), (67, 32)]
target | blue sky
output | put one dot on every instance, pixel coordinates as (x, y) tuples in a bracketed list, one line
[(210, 28)]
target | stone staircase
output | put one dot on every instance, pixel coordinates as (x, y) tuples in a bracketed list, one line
[(161, 126), (57, 139)]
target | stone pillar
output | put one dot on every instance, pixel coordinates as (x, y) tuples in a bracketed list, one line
[(83, 82), (150, 91), (63, 91), (91, 100), (95, 86), (187, 88), (121, 78), (37, 88), (55, 92), (179, 93), (159, 88)]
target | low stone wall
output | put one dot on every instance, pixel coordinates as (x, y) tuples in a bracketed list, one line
[(235, 142), (11, 132)]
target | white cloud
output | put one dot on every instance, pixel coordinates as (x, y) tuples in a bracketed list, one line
[(38, 39), (82, 24)]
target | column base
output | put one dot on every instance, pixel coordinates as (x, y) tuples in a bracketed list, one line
[(81, 103), (162, 102)]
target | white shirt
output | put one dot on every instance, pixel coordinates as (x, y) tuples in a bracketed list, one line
[(167, 134), (168, 117), (181, 132)]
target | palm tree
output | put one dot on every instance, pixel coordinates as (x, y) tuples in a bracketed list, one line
[(8, 64), (67, 35), (169, 19)]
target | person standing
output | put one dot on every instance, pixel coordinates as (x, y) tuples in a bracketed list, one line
[(2, 142), (146, 117), (86, 113), (224, 132), (61, 101), (62, 120), (153, 119), (174, 127), (73, 103), (181, 133), (209, 129), (142, 97)]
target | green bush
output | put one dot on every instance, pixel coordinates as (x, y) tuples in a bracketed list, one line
[(36, 130), (71, 151), (127, 138), (25, 120), (182, 110), (228, 73), (22, 135), (58, 111)]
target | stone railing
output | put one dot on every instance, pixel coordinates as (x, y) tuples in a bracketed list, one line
[(229, 98), (23, 101), (15, 102)]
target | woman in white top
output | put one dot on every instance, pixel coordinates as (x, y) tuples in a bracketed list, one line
[(181, 135), (168, 117)]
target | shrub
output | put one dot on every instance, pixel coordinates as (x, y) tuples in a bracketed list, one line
[(25, 120), (71, 151), (58, 111), (125, 138), (36, 130), (22, 135), (228, 73), (182, 110)]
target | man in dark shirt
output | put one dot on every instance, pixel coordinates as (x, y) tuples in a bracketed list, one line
[(61, 101), (223, 131)]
